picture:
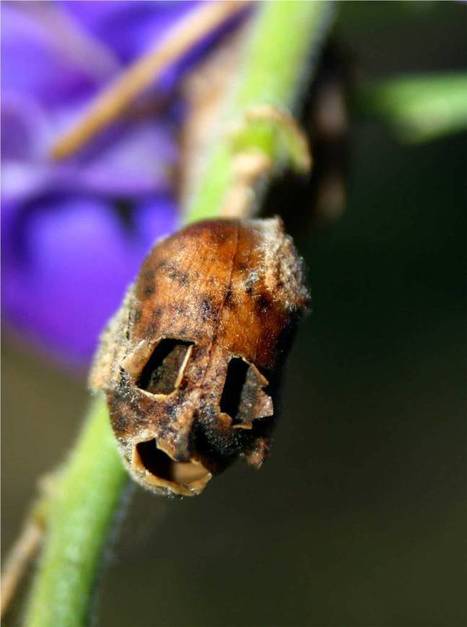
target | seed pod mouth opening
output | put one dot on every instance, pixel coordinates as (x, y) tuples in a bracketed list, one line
[(184, 478)]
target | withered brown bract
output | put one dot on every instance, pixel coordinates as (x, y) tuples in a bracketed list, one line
[(190, 362)]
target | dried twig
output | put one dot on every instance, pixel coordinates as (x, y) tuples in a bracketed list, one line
[(21, 554), (110, 104)]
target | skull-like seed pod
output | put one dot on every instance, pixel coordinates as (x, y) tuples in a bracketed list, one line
[(190, 363)]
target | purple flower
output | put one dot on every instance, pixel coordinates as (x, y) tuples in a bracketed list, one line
[(75, 232)]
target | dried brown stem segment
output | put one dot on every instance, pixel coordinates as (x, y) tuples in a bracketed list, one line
[(115, 100), (191, 362), (204, 94), (22, 553)]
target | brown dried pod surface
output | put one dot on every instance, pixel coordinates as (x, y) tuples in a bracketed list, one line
[(190, 363)]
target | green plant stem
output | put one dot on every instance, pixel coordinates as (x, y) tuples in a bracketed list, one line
[(92, 481), (80, 516), (420, 107), (284, 42)]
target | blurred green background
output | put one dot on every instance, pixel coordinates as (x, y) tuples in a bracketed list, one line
[(360, 517)]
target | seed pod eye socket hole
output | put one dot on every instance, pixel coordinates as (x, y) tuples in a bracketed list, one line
[(164, 369), (233, 386), (167, 471)]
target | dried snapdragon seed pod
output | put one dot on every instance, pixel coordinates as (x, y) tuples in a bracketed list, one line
[(190, 362)]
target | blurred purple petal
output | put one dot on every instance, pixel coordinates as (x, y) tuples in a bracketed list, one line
[(24, 127), (39, 54), (143, 22), (137, 158), (76, 231), (70, 266)]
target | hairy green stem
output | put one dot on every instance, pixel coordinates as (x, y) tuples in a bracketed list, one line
[(92, 482), (284, 42), (81, 512)]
